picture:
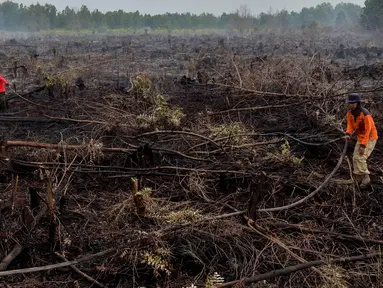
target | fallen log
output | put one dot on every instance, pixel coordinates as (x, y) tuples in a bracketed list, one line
[(156, 168), (63, 146), (175, 132), (78, 271), (59, 265), (26, 119), (295, 268), (63, 119), (10, 257), (103, 149), (333, 234), (47, 120), (256, 108)]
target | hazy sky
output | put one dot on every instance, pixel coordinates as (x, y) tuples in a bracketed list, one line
[(193, 6)]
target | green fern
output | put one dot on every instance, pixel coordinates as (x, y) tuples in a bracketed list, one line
[(158, 260)]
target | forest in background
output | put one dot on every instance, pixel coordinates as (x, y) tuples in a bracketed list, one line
[(19, 17)]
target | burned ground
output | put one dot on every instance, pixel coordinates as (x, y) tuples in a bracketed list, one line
[(147, 144)]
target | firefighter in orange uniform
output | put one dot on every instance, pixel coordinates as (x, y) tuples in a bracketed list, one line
[(360, 122)]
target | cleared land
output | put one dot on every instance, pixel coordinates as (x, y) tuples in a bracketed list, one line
[(156, 151)]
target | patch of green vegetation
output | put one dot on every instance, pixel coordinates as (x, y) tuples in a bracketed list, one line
[(286, 151), (233, 131), (159, 260), (163, 116), (49, 82), (142, 85)]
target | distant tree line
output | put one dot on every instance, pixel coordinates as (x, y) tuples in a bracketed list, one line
[(19, 17), (372, 14)]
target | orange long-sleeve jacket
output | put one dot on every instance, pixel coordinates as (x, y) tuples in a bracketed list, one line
[(362, 124), (3, 82)]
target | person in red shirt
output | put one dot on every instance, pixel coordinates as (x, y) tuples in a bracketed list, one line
[(360, 122), (3, 83)]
